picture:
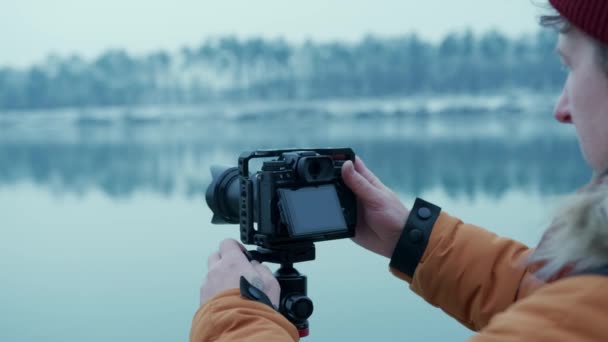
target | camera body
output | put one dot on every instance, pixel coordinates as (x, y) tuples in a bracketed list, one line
[(296, 198)]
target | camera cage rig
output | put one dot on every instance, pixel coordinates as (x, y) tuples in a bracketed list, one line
[(246, 206)]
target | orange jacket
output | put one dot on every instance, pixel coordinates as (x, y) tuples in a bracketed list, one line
[(471, 274)]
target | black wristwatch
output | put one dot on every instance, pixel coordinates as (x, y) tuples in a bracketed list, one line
[(415, 237)]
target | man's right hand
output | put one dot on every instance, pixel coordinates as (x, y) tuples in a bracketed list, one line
[(380, 214)]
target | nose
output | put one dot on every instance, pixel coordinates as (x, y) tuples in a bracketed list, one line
[(562, 109)]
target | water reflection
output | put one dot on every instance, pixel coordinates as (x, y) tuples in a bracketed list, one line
[(462, 167)]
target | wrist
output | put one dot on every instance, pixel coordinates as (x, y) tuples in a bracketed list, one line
[(393, 239)]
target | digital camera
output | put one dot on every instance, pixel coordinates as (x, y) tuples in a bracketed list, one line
[(296, 197)]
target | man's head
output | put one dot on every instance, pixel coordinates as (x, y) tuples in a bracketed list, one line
[(583, 48)]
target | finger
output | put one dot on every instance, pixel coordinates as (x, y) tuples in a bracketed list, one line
[(231, 246), (367, 174), (364, 190), (213, 259)]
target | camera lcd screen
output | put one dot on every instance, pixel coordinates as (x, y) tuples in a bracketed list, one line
[(312, 210)]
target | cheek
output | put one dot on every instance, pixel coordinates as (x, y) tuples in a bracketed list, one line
[(589, 94), (599, 123)]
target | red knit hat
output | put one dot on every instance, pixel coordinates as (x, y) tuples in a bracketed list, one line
[(591, 16)]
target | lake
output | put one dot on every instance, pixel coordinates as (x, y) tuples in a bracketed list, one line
[(104, 229)]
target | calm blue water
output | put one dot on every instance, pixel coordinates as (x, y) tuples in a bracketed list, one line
[(104, 230)]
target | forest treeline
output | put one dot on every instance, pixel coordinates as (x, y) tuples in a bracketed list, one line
[(231, 69)]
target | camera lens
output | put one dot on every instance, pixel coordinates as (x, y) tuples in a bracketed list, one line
[(223, 194)]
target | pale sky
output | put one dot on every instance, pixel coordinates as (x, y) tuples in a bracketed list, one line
[(32, 29)]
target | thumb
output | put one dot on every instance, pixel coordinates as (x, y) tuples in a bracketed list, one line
[(362, 188)]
